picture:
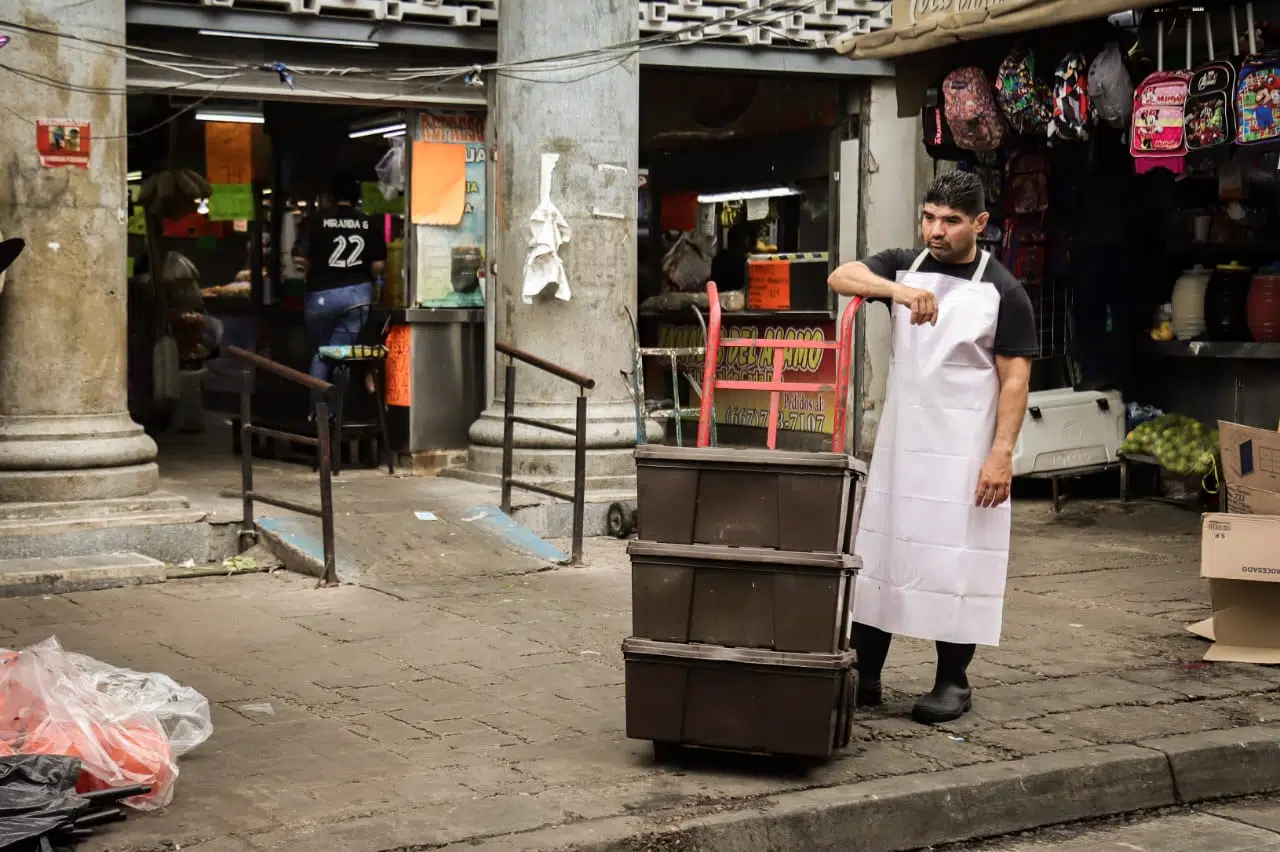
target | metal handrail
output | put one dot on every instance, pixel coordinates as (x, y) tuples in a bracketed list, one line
[(322, 443), (546, 366), (579, 434)]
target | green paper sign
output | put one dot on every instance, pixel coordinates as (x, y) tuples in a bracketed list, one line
[(230, 201), (373, 204)]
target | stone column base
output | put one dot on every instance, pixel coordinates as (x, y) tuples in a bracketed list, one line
[(82, 457), (546, 457)]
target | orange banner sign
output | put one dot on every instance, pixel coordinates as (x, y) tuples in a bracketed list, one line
[(228, 152), (438, 193)]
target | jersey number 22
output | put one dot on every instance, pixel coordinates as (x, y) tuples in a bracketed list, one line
[(346, 251)]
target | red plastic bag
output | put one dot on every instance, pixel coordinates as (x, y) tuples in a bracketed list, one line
[(127, 728)]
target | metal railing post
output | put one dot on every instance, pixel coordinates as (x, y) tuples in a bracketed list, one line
[(324, 451), (579, 478), (248, 528), (508, 435)]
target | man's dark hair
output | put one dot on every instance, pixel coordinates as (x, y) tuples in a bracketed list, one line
[(958, 190), (345, 189)]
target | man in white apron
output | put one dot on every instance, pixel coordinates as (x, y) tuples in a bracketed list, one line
[(934, 532)]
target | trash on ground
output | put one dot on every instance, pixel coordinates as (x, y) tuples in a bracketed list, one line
[(262, 708), (127, 728), (41, 807), (426, 516), (240, 563)]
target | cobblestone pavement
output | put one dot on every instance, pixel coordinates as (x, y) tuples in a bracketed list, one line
[(466, 696), (1251, 825)]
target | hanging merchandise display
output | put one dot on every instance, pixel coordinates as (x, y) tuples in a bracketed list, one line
[(1111, 87), (972, 114), (1024, 99), (1072, 114), (1210, 110), (1159, 138)]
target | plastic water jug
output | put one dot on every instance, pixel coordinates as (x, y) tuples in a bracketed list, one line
[(1188, 303)]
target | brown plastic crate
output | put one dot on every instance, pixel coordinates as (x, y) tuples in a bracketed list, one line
[(740, 596), (764, 702), (744, 498)]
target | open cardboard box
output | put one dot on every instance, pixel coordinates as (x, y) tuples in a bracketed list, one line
[(1240, 551)]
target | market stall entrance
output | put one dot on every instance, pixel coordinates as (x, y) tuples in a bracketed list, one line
[(290, 135)]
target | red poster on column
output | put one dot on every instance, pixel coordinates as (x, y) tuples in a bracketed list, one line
[(63, 142)]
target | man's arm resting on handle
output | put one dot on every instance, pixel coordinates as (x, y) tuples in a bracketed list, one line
[(996, 478), (857, 279)]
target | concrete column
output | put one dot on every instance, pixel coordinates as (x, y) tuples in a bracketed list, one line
[(587, 112), (892, 183), (65, 431)]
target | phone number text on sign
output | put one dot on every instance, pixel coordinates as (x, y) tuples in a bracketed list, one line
[(797, 412)]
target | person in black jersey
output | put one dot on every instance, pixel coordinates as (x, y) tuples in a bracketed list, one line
[(342, 252), (935, 525)]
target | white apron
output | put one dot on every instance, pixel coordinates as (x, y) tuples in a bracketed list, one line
[(933, 563)]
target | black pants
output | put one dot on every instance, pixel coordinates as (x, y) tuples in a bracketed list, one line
[(872, 645)]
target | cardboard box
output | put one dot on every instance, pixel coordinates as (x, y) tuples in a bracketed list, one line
[(1250, 459), (1240, 557), (1240, 551)]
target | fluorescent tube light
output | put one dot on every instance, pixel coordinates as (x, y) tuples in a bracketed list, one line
[(393, 134), (133, 177), (378, 130), (748, 194), (337, 42), (232, 117)]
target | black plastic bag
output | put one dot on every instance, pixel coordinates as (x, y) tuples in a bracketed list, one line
[(37, 798)]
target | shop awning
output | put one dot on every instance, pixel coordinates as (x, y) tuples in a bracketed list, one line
[(920, 25)]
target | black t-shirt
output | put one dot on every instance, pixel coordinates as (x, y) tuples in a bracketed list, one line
[(1016, 325), (341, 244)]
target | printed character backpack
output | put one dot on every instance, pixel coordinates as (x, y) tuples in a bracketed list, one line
[(1072, 113), (1111, 87), (1024, 100), (1209, 117), (1258, 100), (971, 111), (1158, 138)]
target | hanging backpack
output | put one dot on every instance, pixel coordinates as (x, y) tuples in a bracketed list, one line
[(1209, 116), (1072, 114), (971, 111), (1027, 183), (1024, 100), (938, 141), (1258, 100), (1027, 200), (1111, 87)]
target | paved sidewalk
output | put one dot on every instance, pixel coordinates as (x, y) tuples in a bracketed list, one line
[(464, 697), (1251, 825)]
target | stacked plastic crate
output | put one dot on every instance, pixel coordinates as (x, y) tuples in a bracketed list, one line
[(741, 590)]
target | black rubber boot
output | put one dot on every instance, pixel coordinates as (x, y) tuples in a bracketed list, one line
[(951, 696), (872, 646)]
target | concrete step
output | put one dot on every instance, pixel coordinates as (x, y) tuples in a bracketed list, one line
[(160, 501), (173, 535), (59, 574)]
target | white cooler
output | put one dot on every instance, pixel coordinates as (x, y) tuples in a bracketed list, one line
[(1067, 430)]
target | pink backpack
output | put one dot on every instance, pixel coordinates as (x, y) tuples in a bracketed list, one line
[(1157, 138), (972, 114)]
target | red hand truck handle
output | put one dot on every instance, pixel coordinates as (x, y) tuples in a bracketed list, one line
[(844, 370)]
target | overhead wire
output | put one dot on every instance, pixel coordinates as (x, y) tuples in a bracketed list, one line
[(202, 68)]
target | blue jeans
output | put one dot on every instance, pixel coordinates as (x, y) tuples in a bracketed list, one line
[(322, 311)]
